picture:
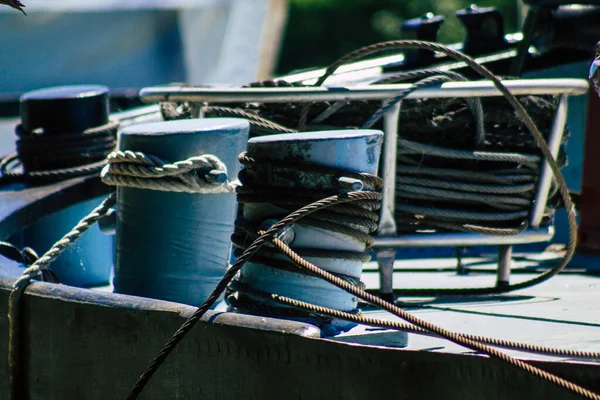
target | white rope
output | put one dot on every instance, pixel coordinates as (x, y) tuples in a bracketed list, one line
[(204, 174)]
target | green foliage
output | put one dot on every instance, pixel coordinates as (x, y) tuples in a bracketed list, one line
[(320, 31)]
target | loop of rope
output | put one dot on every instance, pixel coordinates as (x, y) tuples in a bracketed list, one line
[(421, 84), (474, 103), (205, 174)]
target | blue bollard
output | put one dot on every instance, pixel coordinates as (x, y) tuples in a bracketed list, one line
[(353, 150), (175, 246), (61, 110)]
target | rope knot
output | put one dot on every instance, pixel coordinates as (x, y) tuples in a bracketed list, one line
[(205, 173)]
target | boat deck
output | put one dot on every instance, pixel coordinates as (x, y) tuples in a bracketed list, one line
[(111, 337), (562, 312)]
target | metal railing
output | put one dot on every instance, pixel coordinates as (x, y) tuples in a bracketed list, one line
[(387, 240)]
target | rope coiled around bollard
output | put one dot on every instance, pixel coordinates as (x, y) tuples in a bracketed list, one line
[(270, 236), (204, 174), (48, 158), (270, 182)]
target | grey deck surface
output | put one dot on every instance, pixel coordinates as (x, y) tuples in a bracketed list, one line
[(562, 312)]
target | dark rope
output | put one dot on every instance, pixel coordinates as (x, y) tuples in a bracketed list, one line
[(52, 157), (233, 270)]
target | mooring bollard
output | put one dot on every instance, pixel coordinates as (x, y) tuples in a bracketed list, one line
[(334, 250), (175, 246), (65, 127)]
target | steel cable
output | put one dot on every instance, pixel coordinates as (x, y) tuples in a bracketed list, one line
[(525, 119), (380, 323), (457, 338), (355, 196), (233, 270)]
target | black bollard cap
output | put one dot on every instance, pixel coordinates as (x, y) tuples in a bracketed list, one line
[(65, 109)]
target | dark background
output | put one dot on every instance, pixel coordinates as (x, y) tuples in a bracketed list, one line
[(320, 31)]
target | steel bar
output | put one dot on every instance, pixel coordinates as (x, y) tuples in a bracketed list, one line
[(387, 223), (504, 261), (463, 239), (546, 176), (359, 92)]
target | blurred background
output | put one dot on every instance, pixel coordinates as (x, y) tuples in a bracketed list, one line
[(319, 31), (130, 44)]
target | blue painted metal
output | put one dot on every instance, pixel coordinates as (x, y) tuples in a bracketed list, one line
[(61, 110), (175, 246), (65, 109), (85, 264), (354, 150)]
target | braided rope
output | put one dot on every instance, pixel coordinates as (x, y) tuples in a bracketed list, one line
[(143, 171), (474, 104), (423, 83), (257, 122), (40, 265)]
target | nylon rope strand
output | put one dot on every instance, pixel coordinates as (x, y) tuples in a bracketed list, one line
[(523, 116), (200, 174), (37, 268)]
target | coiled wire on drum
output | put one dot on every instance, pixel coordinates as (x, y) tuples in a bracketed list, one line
[(46, 158), (456, 171), (269, 183)]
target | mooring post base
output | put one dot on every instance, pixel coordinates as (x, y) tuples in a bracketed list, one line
[(504, 261), (385, 261)]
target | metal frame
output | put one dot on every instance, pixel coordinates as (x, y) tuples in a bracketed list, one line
[(386, 240)]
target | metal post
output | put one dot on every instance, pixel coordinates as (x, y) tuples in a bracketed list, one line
[(504, 261), (546, 177), (387, 224), (55, 112), (318, 148), (463, 239), (175, 246), (359, 92)]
